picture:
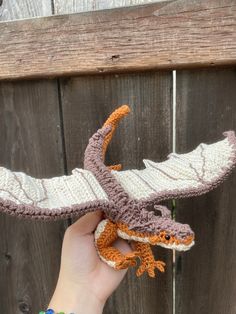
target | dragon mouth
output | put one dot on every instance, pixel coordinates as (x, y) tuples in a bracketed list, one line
[(177, 247), (173, 243)]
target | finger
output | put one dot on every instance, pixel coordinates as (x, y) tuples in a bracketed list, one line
[(87, 224)]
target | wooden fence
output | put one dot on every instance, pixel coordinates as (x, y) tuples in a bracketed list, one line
[(44, 128)]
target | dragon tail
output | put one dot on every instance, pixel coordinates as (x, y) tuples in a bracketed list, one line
[(113, 121)]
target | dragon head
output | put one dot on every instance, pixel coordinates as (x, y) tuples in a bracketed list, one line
[(175, 236), (160, 230)]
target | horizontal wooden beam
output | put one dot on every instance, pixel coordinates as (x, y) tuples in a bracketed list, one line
[(177, 34)]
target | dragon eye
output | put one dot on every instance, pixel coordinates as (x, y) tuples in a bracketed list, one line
[(167, 237)]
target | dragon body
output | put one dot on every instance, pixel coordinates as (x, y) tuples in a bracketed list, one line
[(130, 199), (129, 219)]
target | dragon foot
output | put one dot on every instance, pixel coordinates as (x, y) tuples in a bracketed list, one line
[(150, 267), (148, 263), (126, 261), (116, 259)]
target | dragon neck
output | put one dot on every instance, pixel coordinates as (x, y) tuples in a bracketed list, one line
[(93, 161), (124, 209)]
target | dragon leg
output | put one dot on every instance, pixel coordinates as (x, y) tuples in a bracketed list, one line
[(105, 235), (147, 259)]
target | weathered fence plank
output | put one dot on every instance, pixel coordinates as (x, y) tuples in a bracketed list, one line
[(18, 9), (161, 35), (146, 133), (206, 276), (29, 251)]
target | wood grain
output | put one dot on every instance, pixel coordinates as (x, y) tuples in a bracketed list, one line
[(18, 9), (29, 251), (206, 276), (146, 133), (161, 35)]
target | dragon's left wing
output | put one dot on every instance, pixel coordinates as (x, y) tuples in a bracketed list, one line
[(182, 175)]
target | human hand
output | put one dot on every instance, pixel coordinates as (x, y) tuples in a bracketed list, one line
[(85, 282)]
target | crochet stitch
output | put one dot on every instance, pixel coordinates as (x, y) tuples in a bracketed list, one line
[(125, 197)]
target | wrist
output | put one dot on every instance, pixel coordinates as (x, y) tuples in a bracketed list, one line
[(71, 298)]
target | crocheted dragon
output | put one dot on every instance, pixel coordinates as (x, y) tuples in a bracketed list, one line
[(125, 197)]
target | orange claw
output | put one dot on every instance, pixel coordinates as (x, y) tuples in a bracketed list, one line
[(150, 268), (128, 260), (148, 263)]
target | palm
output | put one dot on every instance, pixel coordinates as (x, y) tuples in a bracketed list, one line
[(82, 263)]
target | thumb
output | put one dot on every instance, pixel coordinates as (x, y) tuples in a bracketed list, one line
[(87, 224)]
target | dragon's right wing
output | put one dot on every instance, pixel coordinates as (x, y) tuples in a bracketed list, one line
[(58, 197), (63, 196)]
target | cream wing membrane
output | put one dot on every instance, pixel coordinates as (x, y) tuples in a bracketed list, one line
[(181, 175), (24, 195)]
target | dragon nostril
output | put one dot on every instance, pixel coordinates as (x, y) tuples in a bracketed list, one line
[(167, 237)]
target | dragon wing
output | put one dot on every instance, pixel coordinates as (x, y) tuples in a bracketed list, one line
[(58, 197), (181, 175), (62, 197)]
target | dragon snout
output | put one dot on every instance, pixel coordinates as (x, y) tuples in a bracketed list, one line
[(178, 237)]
